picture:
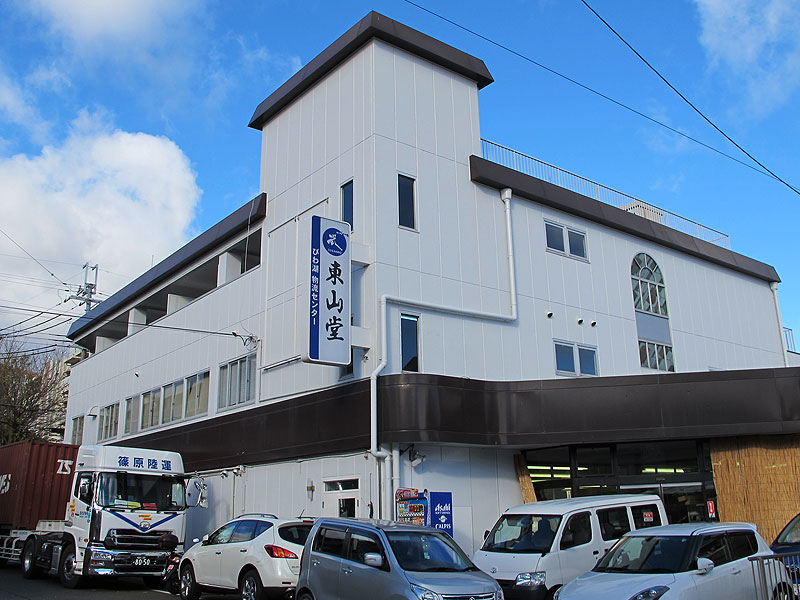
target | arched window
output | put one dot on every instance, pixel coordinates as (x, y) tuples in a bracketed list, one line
[(652, 316), (649, 293)]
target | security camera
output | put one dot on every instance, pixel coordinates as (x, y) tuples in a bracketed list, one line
[(418, 460)]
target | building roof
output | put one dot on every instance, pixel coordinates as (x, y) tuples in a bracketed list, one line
[(525, 186), (378, 26), (254, 210)]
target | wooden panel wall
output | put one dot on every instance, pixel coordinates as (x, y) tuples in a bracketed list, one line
[(758, 480)]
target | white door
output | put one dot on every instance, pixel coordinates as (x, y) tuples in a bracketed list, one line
[(234, 554), (726, 580), (207, 557), (577, 546)]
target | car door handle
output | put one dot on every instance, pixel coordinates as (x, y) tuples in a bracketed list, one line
[(347, 570), (218, 552), (242, 549), (736, 571)]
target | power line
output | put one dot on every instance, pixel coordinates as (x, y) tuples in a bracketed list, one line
[(124, 321), (593, 91), (32, 257), (687, 101)]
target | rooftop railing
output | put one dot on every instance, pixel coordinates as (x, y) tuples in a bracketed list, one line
[(586, 187)]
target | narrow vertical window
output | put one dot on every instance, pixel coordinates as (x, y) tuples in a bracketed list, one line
[(555, 236), (347, 203), (132, 415), (77, 431), (405, 195), (409, 340)]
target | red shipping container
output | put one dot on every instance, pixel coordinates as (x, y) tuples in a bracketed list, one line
[(35, 481)]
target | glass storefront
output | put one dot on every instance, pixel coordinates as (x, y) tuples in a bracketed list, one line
[(678, 471)]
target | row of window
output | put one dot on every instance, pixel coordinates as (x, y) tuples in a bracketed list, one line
[(406, 210), (181, 399)]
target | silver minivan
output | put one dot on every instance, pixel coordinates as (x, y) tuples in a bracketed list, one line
[(346, 559)]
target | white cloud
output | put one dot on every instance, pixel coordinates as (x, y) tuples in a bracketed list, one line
[(758, 42), (18, 108), (106, 196), (90, 22)]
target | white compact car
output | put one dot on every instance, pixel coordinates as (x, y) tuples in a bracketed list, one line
[(702, 561), (255, 555)]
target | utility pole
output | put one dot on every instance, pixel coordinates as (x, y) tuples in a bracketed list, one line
[(88, 289)]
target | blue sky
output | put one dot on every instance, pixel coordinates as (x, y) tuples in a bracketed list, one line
[(123, 125)]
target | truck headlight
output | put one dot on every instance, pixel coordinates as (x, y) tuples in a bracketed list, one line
[(424, 593), (530, 579), (651, 593), (97, 555)]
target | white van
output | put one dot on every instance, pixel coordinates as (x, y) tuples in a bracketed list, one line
[(536, 548)]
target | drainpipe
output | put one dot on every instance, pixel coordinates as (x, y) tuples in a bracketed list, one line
[(774, 287), (382, 455)]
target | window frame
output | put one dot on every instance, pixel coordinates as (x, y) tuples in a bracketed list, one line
[(588, 515), (403, 362), (186, 396), (400, 212), (347, 202), (565, 240), (77, 430), (227, 382), (173, 386), (108, 422), (132, 413), (155, 417), (576, 358)]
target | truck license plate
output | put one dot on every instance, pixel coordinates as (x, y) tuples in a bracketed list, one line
[(142, 561)]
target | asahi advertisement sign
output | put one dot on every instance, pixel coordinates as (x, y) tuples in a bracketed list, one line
[(329, 293)]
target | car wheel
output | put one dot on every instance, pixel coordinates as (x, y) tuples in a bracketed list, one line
[(551, 592), (250, 587), (190, 590), (305, 596), (29, 570), (783, 592), (66, 568)]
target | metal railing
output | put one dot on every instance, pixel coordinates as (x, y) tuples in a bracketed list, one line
[(586, 187), (788, 336), (776, 575)]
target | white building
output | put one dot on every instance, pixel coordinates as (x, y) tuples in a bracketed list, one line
[(506, 331)]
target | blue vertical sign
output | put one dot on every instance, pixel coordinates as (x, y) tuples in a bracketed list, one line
[(440, 510), (329, 293)]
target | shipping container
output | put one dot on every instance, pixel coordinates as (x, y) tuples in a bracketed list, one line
[(35, 480)]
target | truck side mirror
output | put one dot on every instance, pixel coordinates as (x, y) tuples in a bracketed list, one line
[(373, 559), (196, 489)]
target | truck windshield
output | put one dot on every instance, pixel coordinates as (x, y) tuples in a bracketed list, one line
[(135, 491), (531, 534)]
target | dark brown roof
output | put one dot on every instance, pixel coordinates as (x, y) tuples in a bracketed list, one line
[(374, 25)]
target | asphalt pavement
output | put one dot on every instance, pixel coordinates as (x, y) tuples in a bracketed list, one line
[(14, 587)]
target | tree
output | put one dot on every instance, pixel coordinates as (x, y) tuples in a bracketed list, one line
[(32, 392)]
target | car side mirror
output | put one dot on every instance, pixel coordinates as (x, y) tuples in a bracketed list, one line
[(485, 534), (204, 541), (373, 559), (704, 565)]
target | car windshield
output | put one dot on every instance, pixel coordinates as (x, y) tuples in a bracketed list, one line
[(522, 534), (790, 533), (134, 491), (647, 554), (422, 551)]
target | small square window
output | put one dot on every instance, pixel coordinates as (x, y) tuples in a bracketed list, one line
[(565, 358), (405, 199), (555, 236), (347, 203), (587, 358), (577, 243)]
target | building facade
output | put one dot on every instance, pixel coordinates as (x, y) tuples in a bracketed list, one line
[(512, 339)]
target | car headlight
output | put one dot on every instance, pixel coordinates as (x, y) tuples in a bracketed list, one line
[(424, 593), (651, 593), (96, 555), (498, 595), (536, 578)]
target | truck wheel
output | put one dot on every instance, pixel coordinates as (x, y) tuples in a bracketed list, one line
[(190, 590), (29, 570), (250, 587), (66, 568)]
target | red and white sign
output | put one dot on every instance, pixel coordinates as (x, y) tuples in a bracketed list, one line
[(712, 509)]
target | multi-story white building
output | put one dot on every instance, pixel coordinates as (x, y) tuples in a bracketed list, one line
[(517, 332)]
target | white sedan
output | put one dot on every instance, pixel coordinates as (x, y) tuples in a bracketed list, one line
[(256, 555), (705, 561)]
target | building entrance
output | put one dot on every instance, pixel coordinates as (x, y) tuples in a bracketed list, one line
[(679, 472)]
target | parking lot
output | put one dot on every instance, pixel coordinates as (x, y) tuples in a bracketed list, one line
[(14, 587)]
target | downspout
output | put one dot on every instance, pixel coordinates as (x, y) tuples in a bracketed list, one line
[(382, 455), (774, 287)]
